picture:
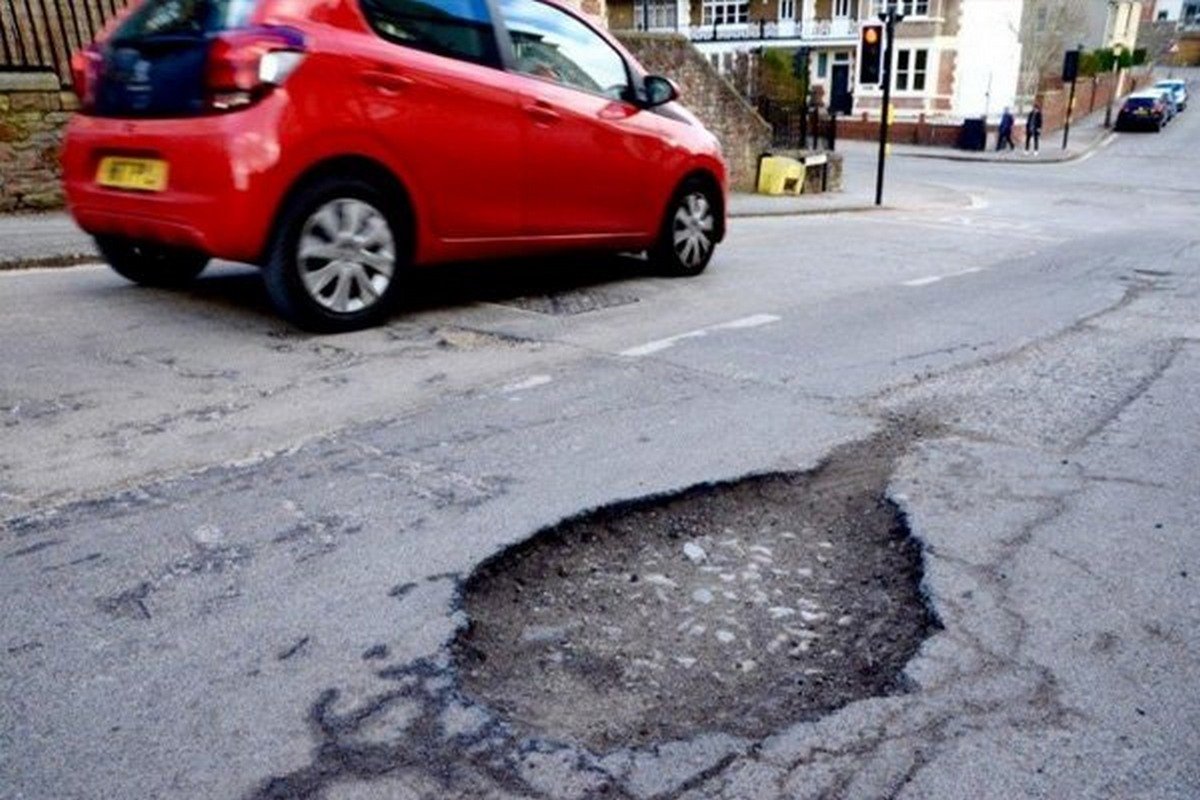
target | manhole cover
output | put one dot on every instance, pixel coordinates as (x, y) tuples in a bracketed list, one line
[(572, 302), (738, 608)]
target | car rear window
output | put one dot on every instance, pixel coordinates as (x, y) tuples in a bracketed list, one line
[(459, 29), (1139, 102), (185, 17)]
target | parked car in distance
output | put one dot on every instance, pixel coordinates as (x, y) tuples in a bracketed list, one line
[(1142, 111), (1178, 89), (337, 144)]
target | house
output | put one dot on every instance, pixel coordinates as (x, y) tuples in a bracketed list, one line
[(953, 58)]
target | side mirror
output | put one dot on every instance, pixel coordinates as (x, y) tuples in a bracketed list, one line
[(659, 90)]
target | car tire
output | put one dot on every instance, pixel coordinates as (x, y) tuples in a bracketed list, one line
[(689, 231), (150, 264), (338, 256)]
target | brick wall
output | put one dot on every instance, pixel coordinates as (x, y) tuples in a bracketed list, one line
[(33, 111), (743, 133), (1091, 94)]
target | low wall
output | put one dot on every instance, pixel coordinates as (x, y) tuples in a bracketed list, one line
[(1091, 94), (33, 111), (743, 133)]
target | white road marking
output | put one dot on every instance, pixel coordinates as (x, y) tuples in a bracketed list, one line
[(662, 344), (532, 382), (977, 203), (935, 278)]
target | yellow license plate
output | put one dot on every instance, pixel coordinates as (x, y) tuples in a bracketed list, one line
[(140, 174)]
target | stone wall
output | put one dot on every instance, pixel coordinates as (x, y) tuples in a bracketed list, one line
[(743, 133), (33, 112)]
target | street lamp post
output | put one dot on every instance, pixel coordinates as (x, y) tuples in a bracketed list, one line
[(889, 18), (1112, 95)]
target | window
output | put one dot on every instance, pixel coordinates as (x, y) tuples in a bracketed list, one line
[(822, 64), (550, 43), (660, 14), (909, 8), (725, 12), (841, 9), (456, 28), (911, 66), (787, 9)]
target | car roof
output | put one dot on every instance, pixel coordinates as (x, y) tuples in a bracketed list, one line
[(1146, 94)]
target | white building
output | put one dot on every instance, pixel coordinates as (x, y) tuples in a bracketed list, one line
[(953, 58)]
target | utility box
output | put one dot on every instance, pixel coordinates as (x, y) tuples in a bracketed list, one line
[(973, 134), (780, 175)]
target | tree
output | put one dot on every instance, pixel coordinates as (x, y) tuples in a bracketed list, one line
[(1048, 29)]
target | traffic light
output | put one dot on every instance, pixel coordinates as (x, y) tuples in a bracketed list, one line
[(870, 54), (1070, 66)]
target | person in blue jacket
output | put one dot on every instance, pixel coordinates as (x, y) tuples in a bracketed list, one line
[(1004, 138)]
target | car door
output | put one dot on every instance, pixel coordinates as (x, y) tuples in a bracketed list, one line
[(435, 91), (588, 147)]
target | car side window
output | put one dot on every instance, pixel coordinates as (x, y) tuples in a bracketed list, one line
[(459, 29), (549, 43)]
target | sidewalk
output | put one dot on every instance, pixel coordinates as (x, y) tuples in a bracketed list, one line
[(1087, 133), (52, 239)]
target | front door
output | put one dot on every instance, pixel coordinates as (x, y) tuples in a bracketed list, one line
[(840, 99), (588, 148)]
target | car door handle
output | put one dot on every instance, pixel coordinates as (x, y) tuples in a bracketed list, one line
[(543, 112), (388, 81)]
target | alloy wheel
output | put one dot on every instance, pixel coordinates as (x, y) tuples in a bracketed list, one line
[(692, 229), (346, 255)]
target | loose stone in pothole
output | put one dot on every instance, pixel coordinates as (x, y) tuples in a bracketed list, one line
[(736, 608)]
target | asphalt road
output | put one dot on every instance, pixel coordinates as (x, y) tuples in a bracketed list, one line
[(230, 553)]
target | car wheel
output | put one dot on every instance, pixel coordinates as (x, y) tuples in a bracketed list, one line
[(689, 231), (337, 256), (151, 264)]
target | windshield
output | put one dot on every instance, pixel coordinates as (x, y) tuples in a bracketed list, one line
[(185, 18)]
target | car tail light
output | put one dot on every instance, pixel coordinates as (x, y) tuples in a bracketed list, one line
[(244, 65), (85, 73)]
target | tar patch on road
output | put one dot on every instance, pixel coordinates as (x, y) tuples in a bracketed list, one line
[(735, 608)]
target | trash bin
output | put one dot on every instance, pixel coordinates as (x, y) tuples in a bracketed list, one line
[(780, 175), (973, 134)]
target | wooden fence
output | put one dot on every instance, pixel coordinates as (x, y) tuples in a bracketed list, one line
[(42, 34)]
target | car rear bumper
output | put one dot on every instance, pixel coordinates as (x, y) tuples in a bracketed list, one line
[(219, 197)]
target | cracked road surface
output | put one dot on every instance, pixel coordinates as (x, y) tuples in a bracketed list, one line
[(232, 557)]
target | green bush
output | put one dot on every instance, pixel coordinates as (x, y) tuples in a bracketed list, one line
[(778, 81)]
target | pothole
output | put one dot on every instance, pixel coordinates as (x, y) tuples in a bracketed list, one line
[(571, 302), (738, 608)]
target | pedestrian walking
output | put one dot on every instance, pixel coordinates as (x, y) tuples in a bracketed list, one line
[(1004, 132), (1033, 128)]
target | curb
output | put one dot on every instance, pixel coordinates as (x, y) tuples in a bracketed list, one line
[(799, 212), (1072, 155)]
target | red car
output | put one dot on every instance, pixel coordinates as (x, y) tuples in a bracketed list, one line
[(337, 143)]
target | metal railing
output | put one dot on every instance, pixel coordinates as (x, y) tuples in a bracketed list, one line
[(42, 34), (815, 30)]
